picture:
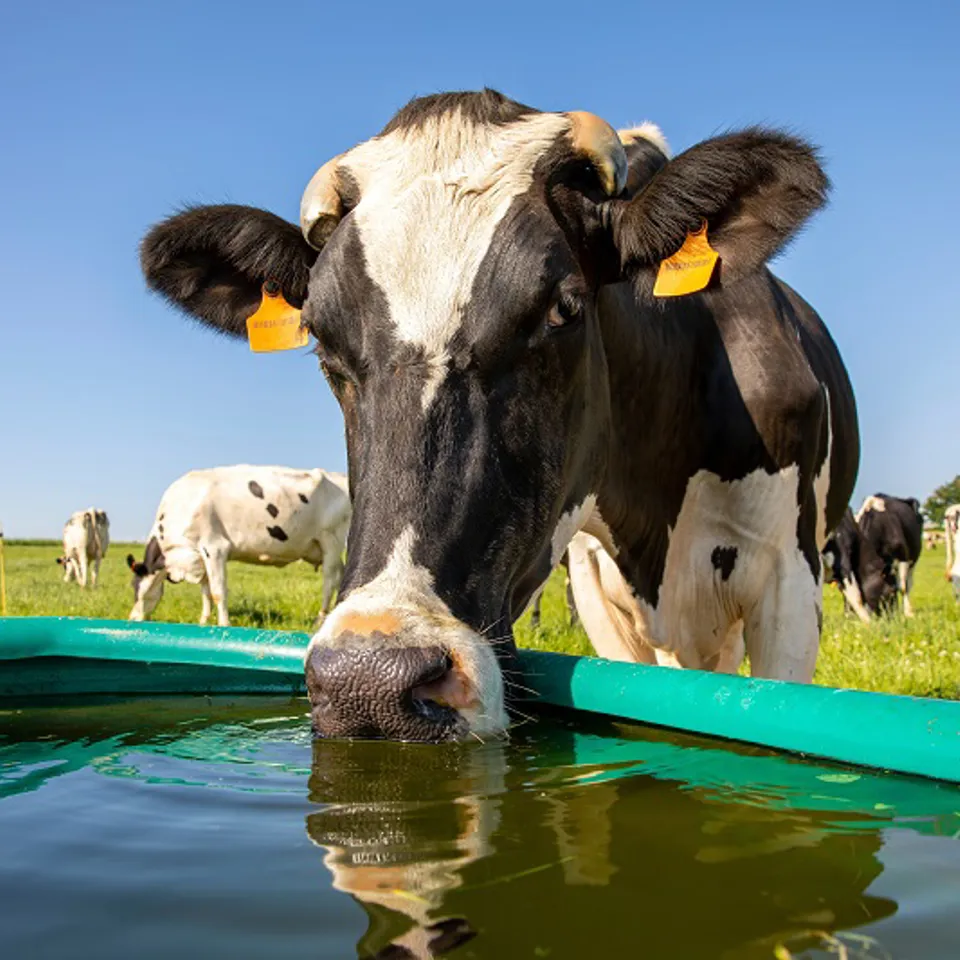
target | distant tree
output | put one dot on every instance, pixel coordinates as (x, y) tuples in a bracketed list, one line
[(940, 499)]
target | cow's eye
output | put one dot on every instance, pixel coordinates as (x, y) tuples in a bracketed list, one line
[(564, 313)]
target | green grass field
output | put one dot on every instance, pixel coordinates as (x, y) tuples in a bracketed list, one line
[(919, 656)]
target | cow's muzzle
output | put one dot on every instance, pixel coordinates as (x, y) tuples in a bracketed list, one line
[(364, 690)]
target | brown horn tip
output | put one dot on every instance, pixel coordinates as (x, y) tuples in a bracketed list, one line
[(598, 141)]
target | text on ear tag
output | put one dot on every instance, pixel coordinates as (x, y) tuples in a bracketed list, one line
[(689, 269), (275, 325)]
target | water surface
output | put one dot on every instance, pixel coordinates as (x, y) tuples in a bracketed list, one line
[(202, 828)]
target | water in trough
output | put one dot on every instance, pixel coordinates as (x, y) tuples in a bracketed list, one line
[(198, 827)]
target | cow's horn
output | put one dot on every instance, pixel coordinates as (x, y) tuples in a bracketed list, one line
[(599, 143), (321, 207)]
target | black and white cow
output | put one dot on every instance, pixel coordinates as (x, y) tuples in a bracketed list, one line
[(270, 516), (86, 537), (894, 528), (864, 578), (479, 279), (951, 537)]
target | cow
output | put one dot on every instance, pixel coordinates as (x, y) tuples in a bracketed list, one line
[(271, 516), (862, 575), (537, 600), (894, 527), (483, 282), (951, 535), (86, 537)]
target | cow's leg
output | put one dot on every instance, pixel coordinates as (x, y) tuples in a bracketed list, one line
[(905, 582), (95, 571), (571, 603), (782, 631), (215, 563), (82, 562), (535, 609), (731, 654), (599, 591), (205, 601), (68, 571), (332, 572)]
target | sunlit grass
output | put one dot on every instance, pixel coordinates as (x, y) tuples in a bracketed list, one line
[(919, 656)]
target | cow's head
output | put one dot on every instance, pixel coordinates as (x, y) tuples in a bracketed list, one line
[(449, 270), (149, 576)]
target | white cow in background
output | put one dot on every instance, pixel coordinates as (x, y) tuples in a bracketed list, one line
[(262, 515), (951, 528), (86, 536)]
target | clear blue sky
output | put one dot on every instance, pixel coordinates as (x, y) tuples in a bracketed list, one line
[(114, 114)]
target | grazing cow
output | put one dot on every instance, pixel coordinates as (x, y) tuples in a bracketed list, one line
[(269, 516), (524, 320), (951, 534), (862, 575), (894, 528), (86, 536)]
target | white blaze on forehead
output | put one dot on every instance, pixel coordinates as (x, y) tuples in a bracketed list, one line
[(432, 197), (851, 591)]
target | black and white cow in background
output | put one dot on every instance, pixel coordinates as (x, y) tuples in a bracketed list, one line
[(479, 279), (894, 528), (271, 516), (951, 536), (864, 578), (86, 537)]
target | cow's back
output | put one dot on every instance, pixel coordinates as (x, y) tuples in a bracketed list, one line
[(261, 514)]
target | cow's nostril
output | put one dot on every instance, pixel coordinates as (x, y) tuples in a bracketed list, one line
[(359, 689), (446, 690)]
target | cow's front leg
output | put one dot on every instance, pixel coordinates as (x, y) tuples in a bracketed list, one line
[(215, 562), (782, 632), (95, 572), (332, 573), (905, 582), (82, 576), (600, 593), (205, 606)]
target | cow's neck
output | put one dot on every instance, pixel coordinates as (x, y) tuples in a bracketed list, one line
[(675, 407)]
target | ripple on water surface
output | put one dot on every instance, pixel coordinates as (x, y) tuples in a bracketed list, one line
[(218, 828)]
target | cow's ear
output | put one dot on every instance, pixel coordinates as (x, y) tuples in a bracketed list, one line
[(212, 262), (754, 189), (131, 562)]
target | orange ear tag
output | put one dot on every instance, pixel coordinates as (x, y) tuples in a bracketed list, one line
[(275, 325), (689, 269)]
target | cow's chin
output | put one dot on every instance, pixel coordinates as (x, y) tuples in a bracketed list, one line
[(403, 674)]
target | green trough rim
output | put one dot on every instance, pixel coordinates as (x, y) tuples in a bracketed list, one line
[(56, 657)]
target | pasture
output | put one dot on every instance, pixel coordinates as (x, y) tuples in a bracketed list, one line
[(920, 657)]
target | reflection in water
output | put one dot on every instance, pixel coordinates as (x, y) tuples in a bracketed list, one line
[(593, 857), (399, 824)]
